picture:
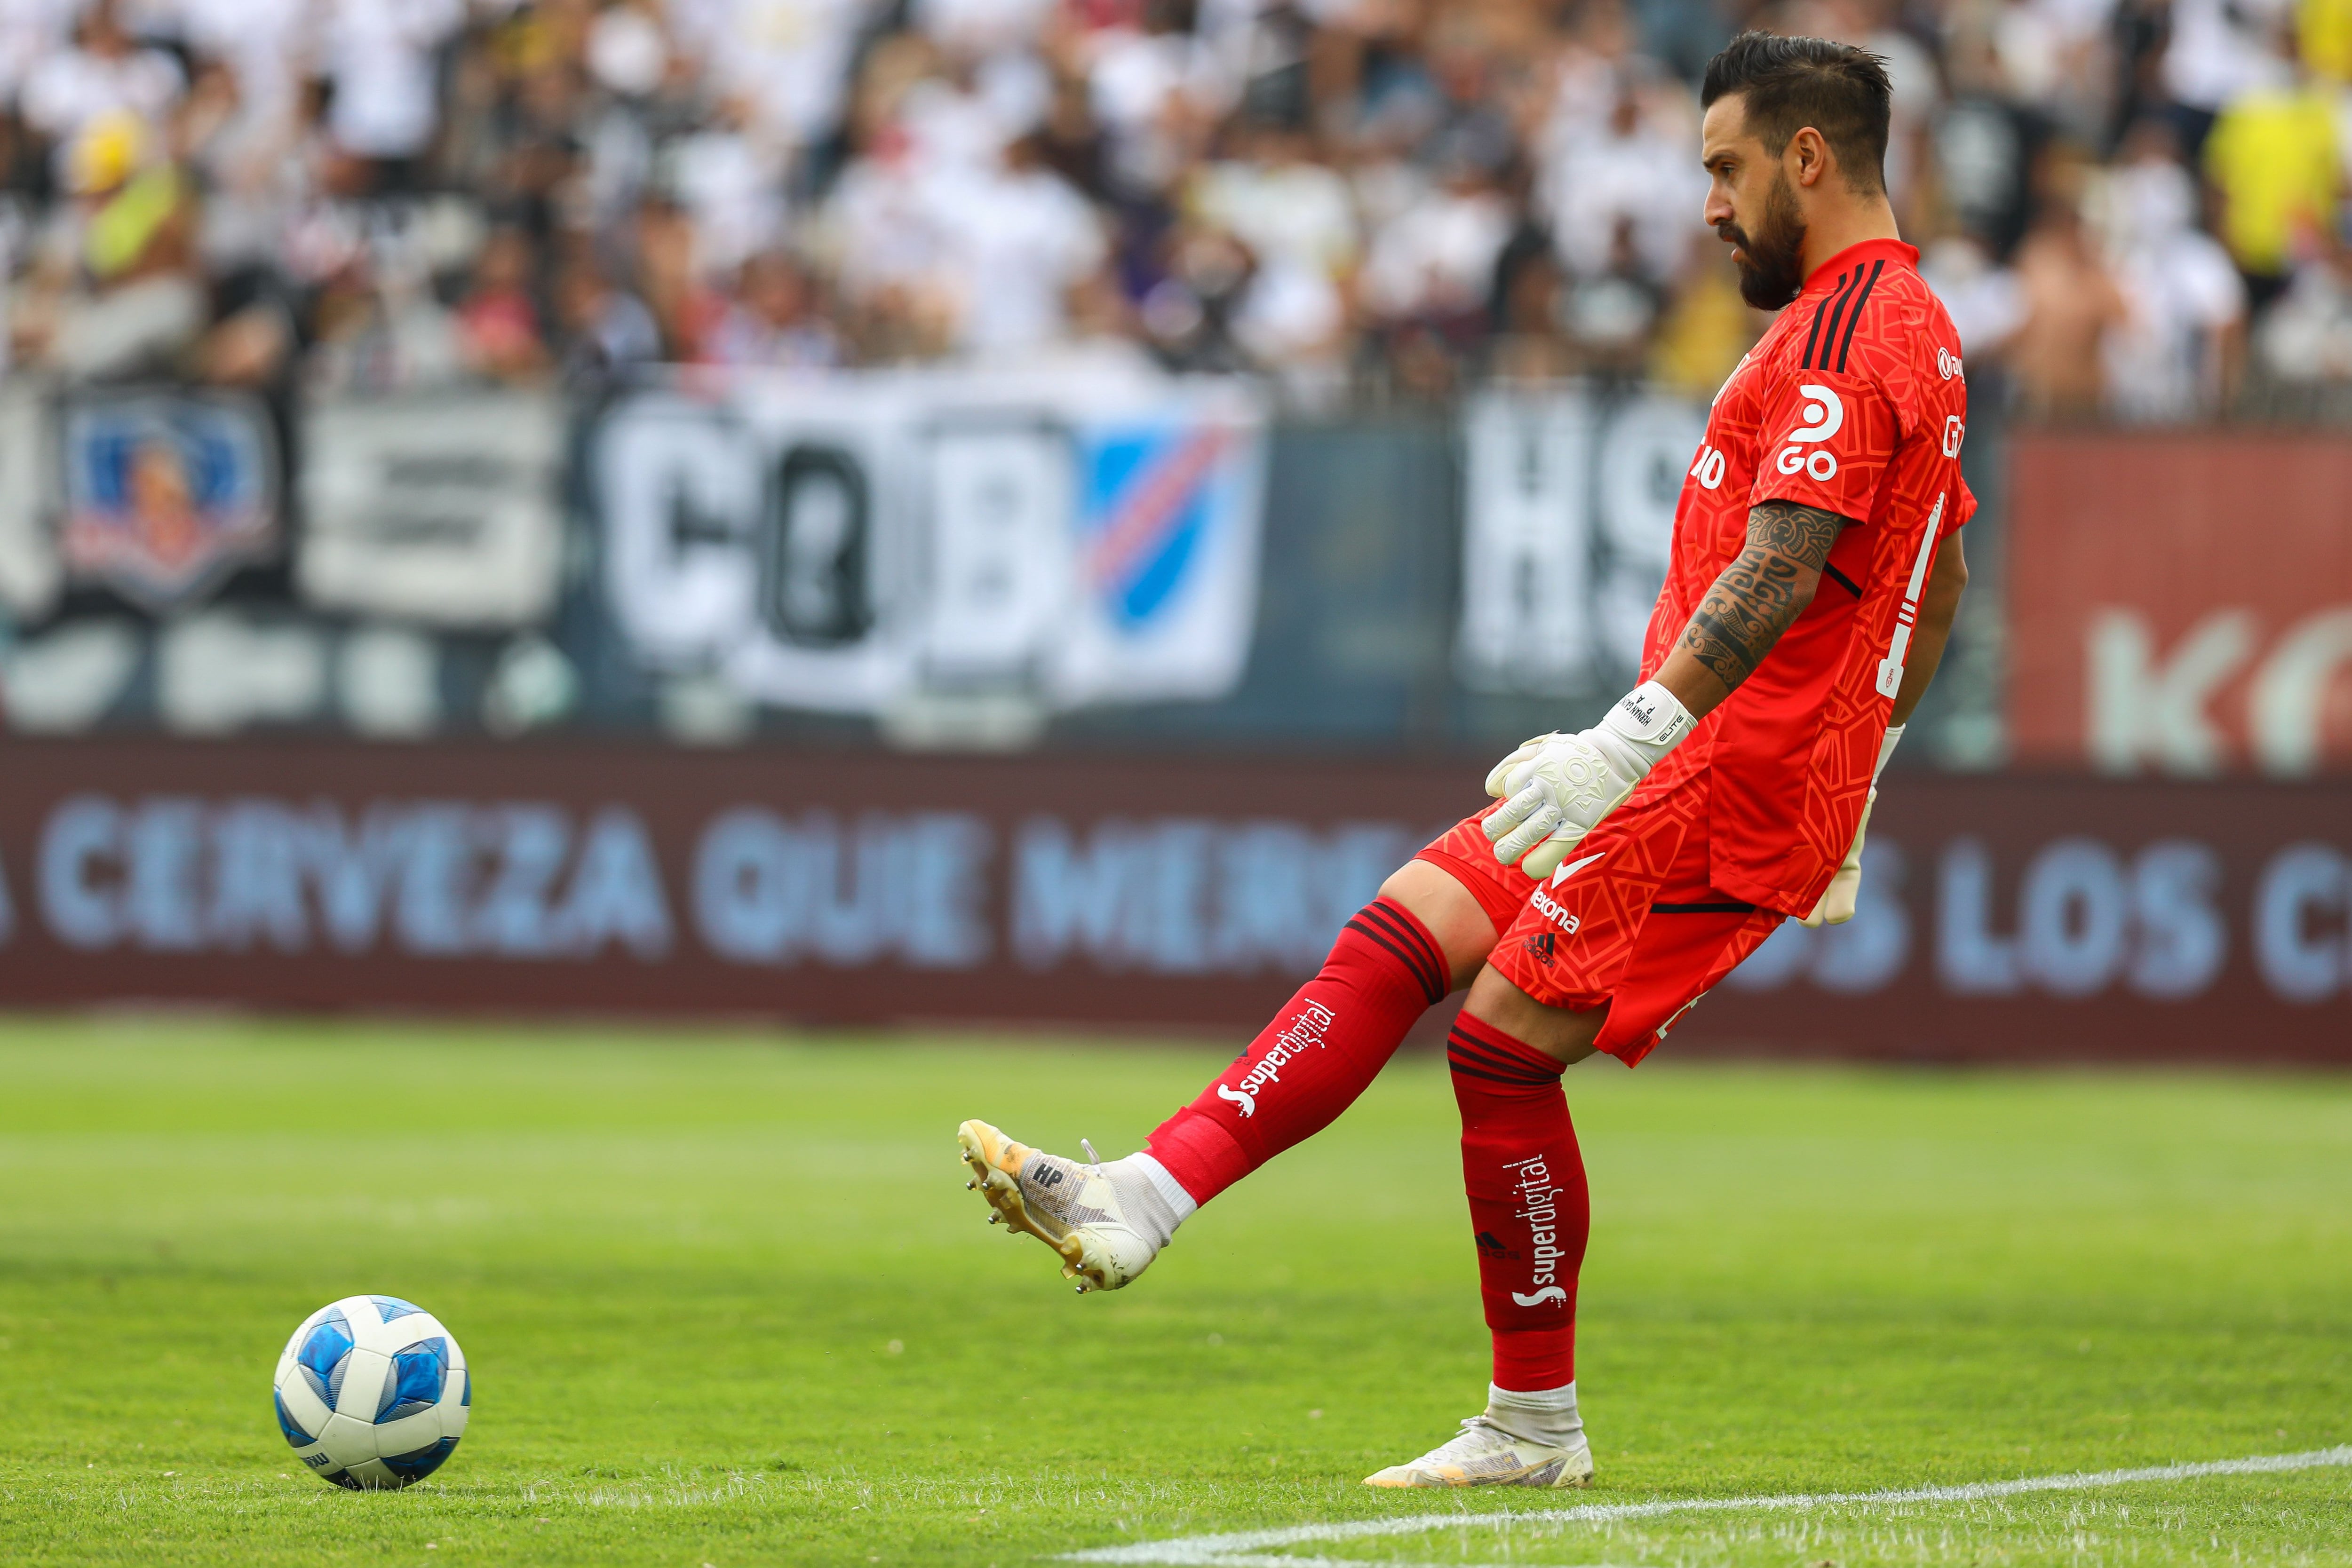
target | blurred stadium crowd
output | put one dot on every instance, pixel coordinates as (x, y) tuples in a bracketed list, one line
[(2134, 207)]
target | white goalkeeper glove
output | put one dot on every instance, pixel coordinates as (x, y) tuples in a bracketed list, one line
[(1556, 787), (1835, 906)]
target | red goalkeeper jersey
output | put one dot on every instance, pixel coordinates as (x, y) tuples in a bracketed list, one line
[(1854, 402)]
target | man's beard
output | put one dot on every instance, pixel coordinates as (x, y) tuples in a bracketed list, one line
[(1772, 269)]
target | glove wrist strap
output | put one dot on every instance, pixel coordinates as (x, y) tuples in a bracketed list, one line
[(1651, 719)]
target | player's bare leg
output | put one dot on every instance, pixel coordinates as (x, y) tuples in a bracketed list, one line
[(1531, 1211), (1108, 1219), (1445, 906), (1561, 1033)]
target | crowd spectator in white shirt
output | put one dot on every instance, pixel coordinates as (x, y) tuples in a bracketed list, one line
[(2179, 351)]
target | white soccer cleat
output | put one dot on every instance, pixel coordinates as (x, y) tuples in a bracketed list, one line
[(1483, 1455), (1078, 1211)]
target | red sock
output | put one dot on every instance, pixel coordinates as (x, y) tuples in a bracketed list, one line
[(1529, 1203), (1321, 1051)]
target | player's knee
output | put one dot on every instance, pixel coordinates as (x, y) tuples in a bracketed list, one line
[(1561, 1032), (1447, 908)]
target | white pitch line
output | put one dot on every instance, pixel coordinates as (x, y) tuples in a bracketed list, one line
[(1243, 1550)]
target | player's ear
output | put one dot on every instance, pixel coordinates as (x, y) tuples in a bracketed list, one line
[(1808, 157)]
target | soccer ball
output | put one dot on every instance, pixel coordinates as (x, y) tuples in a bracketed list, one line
[(373, 1392)]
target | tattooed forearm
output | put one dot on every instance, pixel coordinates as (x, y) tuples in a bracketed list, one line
[(1745, 611), (1760, 594)]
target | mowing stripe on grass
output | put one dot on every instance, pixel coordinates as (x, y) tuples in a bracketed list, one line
[(1237, 1550)]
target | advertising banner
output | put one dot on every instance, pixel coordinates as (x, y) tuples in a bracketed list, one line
[(446, 510), (31, 573), (2027, 919), (1567, 522), (2002, 920), (858, 544), (2182, 603)]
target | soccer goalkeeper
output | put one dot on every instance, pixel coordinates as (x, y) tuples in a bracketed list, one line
[(1627, 868)]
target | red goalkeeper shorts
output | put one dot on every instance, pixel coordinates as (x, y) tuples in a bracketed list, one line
[(1628, 922)]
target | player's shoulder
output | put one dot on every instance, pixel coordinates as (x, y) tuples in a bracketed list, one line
[(1903, 325), (1881, 324)]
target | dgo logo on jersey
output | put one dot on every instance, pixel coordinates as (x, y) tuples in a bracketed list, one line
[(1824, 417)]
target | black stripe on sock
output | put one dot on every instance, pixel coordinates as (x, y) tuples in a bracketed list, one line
[(1462, 1046), (1841, 579), (1486, 1072), (1460, 1039), (1373, 933), (1431, 970), (1723, 906), (1855, 319), (1498, 1078), (1815, 336), (1428, 973), (1400, 920)]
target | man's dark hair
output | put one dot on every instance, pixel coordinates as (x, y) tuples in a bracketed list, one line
[(1787, 84)]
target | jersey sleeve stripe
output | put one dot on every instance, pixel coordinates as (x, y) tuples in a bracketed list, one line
[(1815, 336), (1837, 313), (1860, 300), (1838, 309), (1841, 579)]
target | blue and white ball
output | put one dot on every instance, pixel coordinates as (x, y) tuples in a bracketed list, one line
[(373, 1392)]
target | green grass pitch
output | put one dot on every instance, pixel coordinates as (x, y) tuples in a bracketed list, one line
[(728, 1303)]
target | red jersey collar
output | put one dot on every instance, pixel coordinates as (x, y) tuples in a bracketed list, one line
[(1869, 250)]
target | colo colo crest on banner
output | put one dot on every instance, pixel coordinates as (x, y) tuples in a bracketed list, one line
[(167, 491)]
